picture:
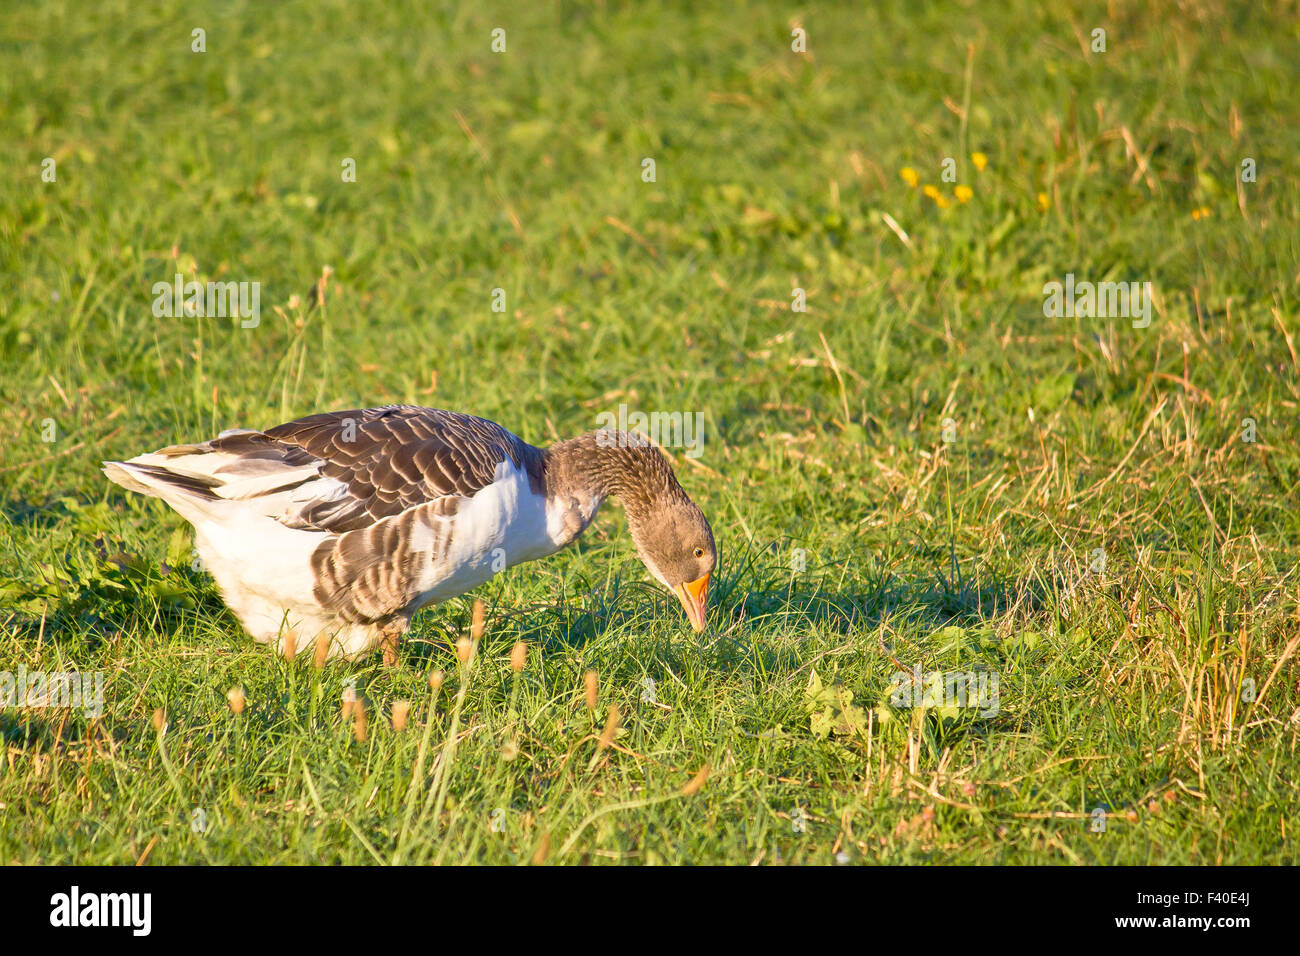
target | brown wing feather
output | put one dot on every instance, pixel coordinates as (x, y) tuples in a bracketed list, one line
[(390, 459), (368, 575)]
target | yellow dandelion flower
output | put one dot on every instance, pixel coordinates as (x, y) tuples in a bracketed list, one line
[(942, 201), (1203, 213), (1044, 203), (980, 161), (963, 193), (910, 176), (932, 192)]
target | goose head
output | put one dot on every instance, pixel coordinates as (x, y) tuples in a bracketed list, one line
[(675, 543)]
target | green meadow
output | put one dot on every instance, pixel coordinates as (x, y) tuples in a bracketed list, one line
[(828, 230)]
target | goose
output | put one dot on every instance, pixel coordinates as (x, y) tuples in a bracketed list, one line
[(339, 526)]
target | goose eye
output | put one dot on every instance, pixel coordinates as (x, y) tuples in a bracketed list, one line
[(699, 552)]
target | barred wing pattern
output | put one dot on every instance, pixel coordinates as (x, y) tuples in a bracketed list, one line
[(382, 461)]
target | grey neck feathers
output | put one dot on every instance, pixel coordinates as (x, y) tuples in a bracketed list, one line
[(604, 463)]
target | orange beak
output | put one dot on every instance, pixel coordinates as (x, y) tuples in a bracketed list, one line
[(694, 597)]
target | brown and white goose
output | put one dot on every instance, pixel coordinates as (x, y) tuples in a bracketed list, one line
[(342, 525)]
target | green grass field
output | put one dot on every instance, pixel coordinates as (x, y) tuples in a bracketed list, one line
[(921, 470)]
